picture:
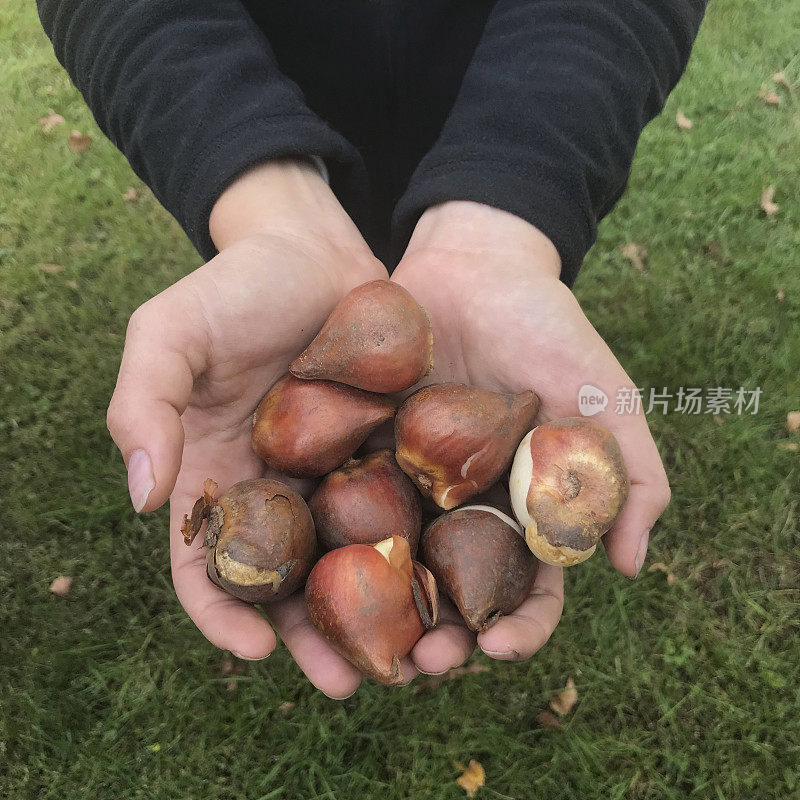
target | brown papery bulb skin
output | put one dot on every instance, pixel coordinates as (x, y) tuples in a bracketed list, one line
[(367, 500), (365, 600), (309, 428), (455, 441), (568, 485), (479, 559), (377, 338), (260, 539)]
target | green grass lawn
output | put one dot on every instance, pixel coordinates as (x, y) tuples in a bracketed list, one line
[(687, 688)]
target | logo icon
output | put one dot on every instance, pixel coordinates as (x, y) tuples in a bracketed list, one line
[(591, 400)]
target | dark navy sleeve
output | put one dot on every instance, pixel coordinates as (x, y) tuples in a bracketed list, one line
[(190, 92), (550, 111)]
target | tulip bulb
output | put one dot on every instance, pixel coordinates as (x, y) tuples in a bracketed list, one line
[(455, 441), (308, 428), (568, 485), (259, 540), (372, 604), (479, 558), (377, 338), (367, 500)]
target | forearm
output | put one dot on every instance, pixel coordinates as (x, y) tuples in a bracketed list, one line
[(278, 195), (290, 200), (468, 227), (191, 93), (550, 112)]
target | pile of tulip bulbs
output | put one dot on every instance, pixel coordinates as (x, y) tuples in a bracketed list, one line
[(372, 571)]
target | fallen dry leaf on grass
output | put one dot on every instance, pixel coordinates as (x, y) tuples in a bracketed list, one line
[(781, 294), (72, 284), (51, 90), (472, 777), (793, 421), (549, 721), (79, 142), (286, 706), (130, 196), (683, 122), (767, 205), (563, 702), (51, 269), (435, 681), (51, 120), (636, 254), (781, 79), (792, 447), (61, 585), (770, 97), (660, 566), (230, 668)]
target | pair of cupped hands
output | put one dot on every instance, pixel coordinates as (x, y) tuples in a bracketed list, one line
[(199, 357)]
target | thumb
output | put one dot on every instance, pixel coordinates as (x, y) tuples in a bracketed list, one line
[(153, 387)]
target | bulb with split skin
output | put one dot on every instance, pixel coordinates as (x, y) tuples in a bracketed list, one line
[(309, 428), (479, 558), (372, 603), (455, 441), (259, 540), (568, 485)]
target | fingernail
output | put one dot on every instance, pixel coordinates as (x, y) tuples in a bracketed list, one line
[(641, 552), (339, 699), (140, 478), (248, 658), (509, 655), (432, 674)]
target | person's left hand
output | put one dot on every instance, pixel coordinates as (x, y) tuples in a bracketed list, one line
[(504, 321)]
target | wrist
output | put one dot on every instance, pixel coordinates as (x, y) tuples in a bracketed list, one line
[(291, 199), (284, 195), (459, 226)]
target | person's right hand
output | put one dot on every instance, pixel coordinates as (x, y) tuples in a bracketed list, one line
[(198, 358)]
